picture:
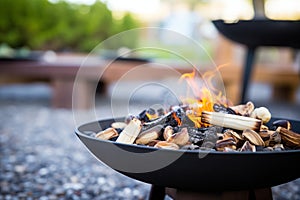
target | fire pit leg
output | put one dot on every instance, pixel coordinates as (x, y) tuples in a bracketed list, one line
[(265, 193), (258, 194), (157, 193), (247, 71)]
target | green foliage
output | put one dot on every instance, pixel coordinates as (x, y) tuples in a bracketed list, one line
[(39, 24), (125, 40)]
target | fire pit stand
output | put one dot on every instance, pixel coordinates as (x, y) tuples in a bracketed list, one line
[(158, 193)]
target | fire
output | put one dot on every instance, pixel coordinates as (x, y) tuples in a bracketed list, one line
[(205, 95), (177, 119)]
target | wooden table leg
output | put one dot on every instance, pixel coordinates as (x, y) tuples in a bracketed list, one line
[(64, 97), (62, 93)]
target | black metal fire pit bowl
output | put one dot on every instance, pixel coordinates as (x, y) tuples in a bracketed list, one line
[(261, 32), (216, 171)]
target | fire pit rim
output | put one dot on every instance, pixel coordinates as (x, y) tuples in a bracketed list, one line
[(260, 31), (79, 132)]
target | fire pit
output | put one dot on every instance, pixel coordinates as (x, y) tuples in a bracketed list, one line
[(204, 144), (201, 171)]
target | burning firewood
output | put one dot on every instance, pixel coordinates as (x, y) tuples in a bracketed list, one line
[(222, 130), (270, 137), (107, 134), (289, 138), (231, 121), (253, 137), (282, 123), (166, 145), (168, 132), (118, 125), (248, 147), (149, 135), (227, 142), (243, 109), (130, 132), (180, 138)]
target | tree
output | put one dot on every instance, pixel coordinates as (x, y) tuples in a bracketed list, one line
[(39, 24)]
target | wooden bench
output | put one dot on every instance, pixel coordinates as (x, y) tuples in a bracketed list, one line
[(284, 81), (279, 73), (62, 72)]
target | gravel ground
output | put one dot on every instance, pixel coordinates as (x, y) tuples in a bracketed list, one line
[(41, 158)]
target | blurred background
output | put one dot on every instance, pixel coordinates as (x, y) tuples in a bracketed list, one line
[(78, 26), (40, 156)]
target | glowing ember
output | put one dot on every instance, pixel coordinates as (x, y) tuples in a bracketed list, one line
[(177, 119), (205, 96)]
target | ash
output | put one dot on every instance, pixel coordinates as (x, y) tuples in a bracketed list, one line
[(42, 158)]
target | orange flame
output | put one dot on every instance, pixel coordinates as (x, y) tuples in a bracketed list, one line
[(176, 118), (205, 96)]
